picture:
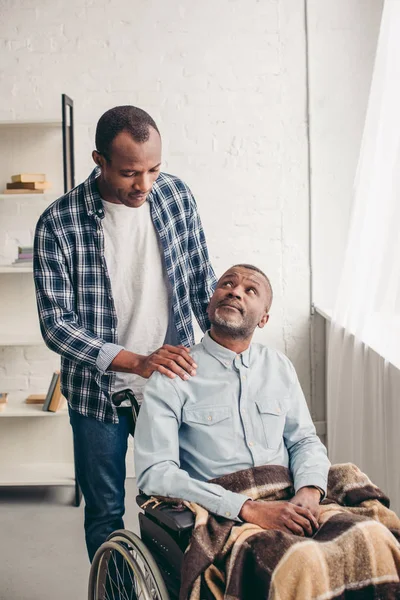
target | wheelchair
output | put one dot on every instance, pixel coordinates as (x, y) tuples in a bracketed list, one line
[(127, 567)]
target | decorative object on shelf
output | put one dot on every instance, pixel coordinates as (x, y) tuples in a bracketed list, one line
[(3, 401), (36, 399), (28, 183), (67, 107)]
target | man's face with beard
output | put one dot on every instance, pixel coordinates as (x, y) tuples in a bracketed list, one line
[(240, 302)]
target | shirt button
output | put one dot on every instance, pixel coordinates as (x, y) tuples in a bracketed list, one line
[(244, 377), (243, 410), (251, 443), (227, 514), (209, 418)]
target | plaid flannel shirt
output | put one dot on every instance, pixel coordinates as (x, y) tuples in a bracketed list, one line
[(73, 289)]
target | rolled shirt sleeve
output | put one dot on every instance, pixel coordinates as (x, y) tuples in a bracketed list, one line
[(157, 463), (106, 355)]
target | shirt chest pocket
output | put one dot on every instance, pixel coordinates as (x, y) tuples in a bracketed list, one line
[(208, 416), (209, 431), (272, 413)]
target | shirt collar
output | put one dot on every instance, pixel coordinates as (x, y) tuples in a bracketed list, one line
[(93, 201), (222, 354)]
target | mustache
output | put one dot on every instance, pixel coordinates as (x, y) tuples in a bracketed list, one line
[(232, 304)]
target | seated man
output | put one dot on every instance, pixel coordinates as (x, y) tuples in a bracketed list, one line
[(237, 440), (243, 408)]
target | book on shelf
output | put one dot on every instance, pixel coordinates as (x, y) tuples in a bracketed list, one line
[(28, 178), (57, 399), (3, 400), (25, 255), (54, 398), (35, 399), (23, 262), (29, 185), (50, 390)]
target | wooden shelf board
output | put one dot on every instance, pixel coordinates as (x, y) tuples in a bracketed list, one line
[(21, 409), (37, 474)]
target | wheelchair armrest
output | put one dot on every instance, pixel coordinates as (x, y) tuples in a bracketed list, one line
[(176, 520)]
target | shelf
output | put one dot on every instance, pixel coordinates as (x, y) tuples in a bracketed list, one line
[(48, 196), (18, 269), (21, 409), (32, 123), (37, 474)]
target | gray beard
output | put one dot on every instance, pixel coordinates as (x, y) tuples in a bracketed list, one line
[(236, 331)]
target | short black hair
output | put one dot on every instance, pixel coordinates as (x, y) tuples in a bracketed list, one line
[(269, 286), (128, 118)]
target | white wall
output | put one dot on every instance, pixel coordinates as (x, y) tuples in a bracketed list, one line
[(342, 36), (225, 82)]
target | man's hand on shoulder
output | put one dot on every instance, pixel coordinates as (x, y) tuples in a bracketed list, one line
[(308, 497), (168, 360), (280, 515)]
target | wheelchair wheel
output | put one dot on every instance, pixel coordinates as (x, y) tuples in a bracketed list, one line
[(123, 569)]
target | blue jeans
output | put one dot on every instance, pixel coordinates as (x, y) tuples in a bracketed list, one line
[(100, 451)]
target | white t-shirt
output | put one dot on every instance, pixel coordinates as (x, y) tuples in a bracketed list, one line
[(139, 282)]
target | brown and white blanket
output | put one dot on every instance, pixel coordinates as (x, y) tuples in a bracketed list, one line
[(354, 555)]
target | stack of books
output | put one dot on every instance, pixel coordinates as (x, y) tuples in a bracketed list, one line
[(27, 183), (3, 401), (25, 256), (53, 400)]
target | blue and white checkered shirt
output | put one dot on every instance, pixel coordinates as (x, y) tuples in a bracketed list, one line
[(73, 289)]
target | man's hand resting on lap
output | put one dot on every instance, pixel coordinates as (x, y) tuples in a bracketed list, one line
[(169, 360), (308, 497), (280, 515)]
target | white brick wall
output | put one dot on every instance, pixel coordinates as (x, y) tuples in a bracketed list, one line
[(225, 81)]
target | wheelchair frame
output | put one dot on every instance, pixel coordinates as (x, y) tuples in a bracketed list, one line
[(150, 566)]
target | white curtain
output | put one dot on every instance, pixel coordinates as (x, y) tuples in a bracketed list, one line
[(364, 341)]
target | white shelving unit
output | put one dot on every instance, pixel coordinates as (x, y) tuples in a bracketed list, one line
[(36, 447)]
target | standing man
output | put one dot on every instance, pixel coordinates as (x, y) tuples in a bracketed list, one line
[(119, 264)]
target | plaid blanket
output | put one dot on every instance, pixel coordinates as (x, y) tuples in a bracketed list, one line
[(355, 554)]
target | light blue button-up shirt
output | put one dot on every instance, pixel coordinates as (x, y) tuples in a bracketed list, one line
[(237, 412)]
